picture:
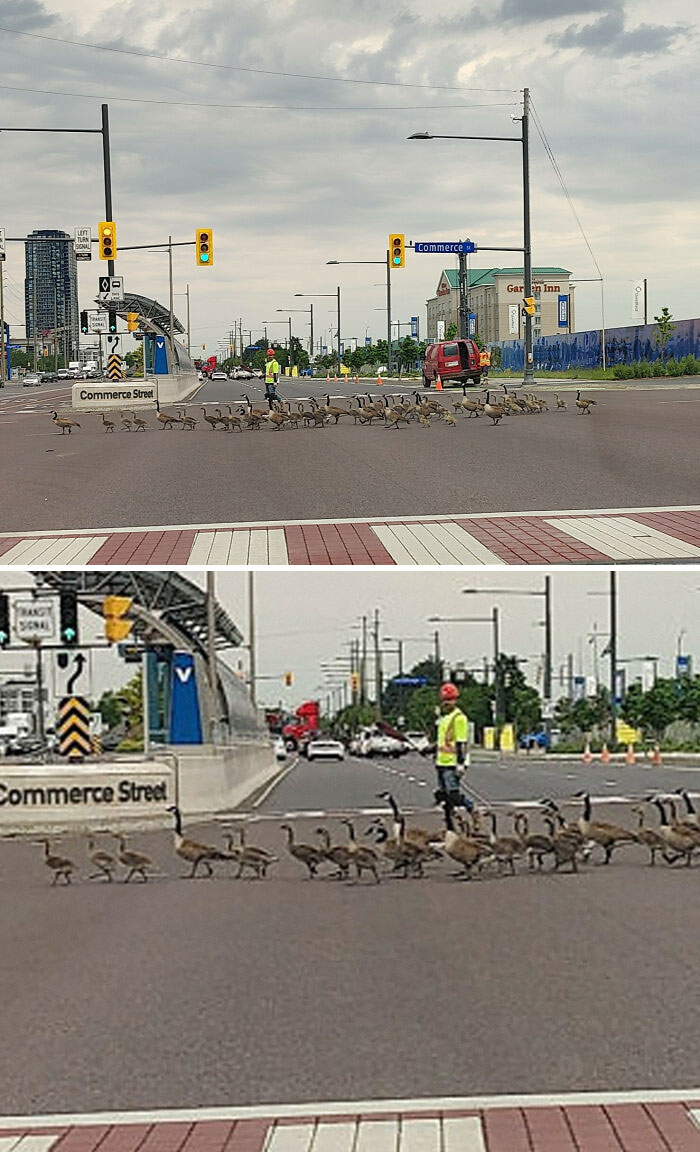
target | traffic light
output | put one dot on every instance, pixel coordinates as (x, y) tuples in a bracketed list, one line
[(355, 682), (114, 610), (397, 251), (204, 243), (107, 240), (112, 321), (288, 679), (84, 324), (68, 612), (4, 620), (529, 305), (132, 321)]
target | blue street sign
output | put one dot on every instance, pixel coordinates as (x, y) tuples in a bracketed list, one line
[(442, 246), (368, 341), (414, 326), (472, 323), (325, 350), (563, 311), (410, 681), (185, 719), (684, 666)]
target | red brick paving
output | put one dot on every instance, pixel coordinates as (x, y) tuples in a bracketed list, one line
[(530, 540), (10, 542), (683, 525)]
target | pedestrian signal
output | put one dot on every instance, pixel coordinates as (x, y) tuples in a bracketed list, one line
[(204, 244), (397, 250), (107, 240), (4, 619), (114, 610)]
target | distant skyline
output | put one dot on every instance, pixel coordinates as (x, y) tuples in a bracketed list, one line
[(291, 170), (306, 618)]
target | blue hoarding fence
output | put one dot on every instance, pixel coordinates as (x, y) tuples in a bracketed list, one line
[(625, 345)]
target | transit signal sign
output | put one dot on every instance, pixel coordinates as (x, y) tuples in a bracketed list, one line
[(204, 244)]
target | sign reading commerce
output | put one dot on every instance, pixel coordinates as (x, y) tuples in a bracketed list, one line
[(65, 795), (444, 246), (95, 397), (38, 795)]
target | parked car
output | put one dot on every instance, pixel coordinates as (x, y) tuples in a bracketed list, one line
[(241, 373), (454, 361), (322, 749), (219, 375), (280, 748), (33, 380), (418, 741)]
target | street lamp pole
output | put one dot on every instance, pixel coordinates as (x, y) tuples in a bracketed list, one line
[(388, 313), (529, 376), (613, 656)]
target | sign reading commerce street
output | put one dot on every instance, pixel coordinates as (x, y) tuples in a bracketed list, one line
[(444, 246), (35, 620), (46, 795), (131, 394)]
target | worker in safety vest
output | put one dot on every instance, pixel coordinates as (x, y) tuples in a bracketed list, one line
[(485, 362), (452, 749), (272, 372)]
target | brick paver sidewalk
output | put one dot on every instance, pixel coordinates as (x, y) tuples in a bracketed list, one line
[(642, 535), (661, 1122)]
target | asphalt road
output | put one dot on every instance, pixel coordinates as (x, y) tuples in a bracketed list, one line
[(332, 786), (182, 993), (639, 448)]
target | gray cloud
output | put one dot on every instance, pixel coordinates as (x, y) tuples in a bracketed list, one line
[(609, 37), (528, 12), (25, 15)]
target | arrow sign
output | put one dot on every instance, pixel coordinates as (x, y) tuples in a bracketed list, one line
[(80, 663)]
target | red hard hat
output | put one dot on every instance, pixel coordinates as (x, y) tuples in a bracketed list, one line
[(270, 351), (449, 692)]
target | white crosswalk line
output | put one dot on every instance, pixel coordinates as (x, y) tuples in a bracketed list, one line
[(257, 553), (622, 538), (201, 548), (420, 1136), (463, 1134), (240, 544), (35, 1143), (334, 1138), (221, 543), (85, 550), (7, 1143), (377, 1136), (291, 1138), (277, 546)]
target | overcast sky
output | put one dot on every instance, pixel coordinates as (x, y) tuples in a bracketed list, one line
[(304, 619), (302, 170)]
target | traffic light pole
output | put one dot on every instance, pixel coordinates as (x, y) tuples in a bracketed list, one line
[(388, 312), (528, 375), (107, 166)]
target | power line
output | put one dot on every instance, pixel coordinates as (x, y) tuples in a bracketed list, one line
[(240, 67), (256, 107), (550, 153)]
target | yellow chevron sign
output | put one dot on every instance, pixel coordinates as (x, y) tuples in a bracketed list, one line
[(115, 370), (73, 727)]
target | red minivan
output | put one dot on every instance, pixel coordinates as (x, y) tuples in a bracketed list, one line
[(454, 361)]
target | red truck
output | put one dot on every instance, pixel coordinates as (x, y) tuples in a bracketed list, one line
[(303, 727)]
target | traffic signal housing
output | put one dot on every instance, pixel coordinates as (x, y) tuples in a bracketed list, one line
[(204, 246), (107, 240), (288, 679), (132, 321), (4, 620), (68, 615), (529, 305), (114, 610), (112, 320), (84, 323), (397, 250)]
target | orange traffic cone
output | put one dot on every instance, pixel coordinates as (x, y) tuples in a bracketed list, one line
[(328, 375), (605, 755), (656, 755), (630, 757), (438, 384), (587, 754), (379, 379), (335, 378)]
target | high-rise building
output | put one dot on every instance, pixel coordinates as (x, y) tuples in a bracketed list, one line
[(51, 290)]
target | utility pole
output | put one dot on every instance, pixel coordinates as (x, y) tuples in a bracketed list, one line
[(252, 639), (377, 668), (613, 656), (529, 375), (388, 313), (645, 299), (34, 315), (311, 341), (211, 654), (548, 644), (41, 722), (363, 663), (463, 316), (437, 656), (187, 293), (172, 310), (496, 650)]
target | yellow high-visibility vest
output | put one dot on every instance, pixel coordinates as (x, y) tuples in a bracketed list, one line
[(271, 368), (452, 729), (485, 358)]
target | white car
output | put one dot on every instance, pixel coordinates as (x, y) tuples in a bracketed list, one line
[(325, 750), (32, 381), (418, 741), (219, 376), (280, 748), (240, 373)]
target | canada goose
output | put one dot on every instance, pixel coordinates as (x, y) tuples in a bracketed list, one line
[(564, 846), (419, 836), (251, 419), (537, 845), (107, 424), (564, 827), (306, 854), (449, 420), (276, 418), (651, 838), (506, 849), (212, 421), (191, 850), (126, 423), (59, 865), (682, 825), (495, 411), (139, 423), (472, 406), (254, 411), (692, 820), (338, 854), (608, 836), (335, 410), (249, 856), (64, 423), (187, 421), (680, 841), (133, 861), (463, 849), (105, 862), (560, 403), (233, 423), (364, 859), (584, 405), (166, 420), (405, 855), (397, 416)]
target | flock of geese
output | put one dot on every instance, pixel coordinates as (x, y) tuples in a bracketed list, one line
[(391, 410), (472, 842)]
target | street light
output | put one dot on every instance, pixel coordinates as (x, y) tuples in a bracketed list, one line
[(388, 299), (493, 620), (311, 320), (327, 294), (523, 139), (612, 650), (291, 353)]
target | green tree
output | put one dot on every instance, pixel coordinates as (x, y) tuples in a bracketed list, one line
[(451, 331), (660, 707), (110, 710), (408, 352), (527, 709), (665, 329)]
